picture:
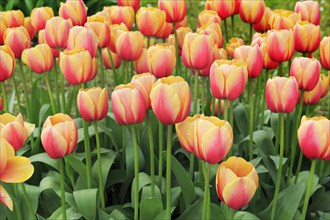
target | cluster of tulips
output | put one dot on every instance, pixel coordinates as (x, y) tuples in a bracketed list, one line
[(154, 78)]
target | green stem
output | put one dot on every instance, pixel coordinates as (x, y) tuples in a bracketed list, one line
[(287, 131), (99, 50), (225, 110), (160, 151), (50, 94), (250, 32), (18, 203), (87, 155), (148, 42), (57, 93), (113, 67), (219, 108), (232, 25), (279, 173), (168, 172), (4, 95), (203, 94), (136, 174), (264, 100), (195, 93), (191, 166), (99, 164), (124, 145), (277, 141), (213, 106), (256, 100), (17, 94), (152, 154), (27, 201), (280, 69), (301, 156), (231, 113), (206, 204), (226, 30), (321, 168), (308, 192), (27, 100), (62, 188), (176, 49), (251, 120)]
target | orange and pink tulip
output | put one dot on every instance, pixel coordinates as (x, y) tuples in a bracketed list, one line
[(13, 18), (144, 82), (251, 11), (313, 96), (207, 17), (141, 63), (75, 10), (147, 14), (277, 50), (121, 14), (214, 30), (309, 11), (115, 29), (224, 9), (17, 39), (268, 63), (135, 4), (57, 32), (307, 37), (233, 43), (129, 45), (325, 52), (29, 27), (218, 54), (39, 17), (42, 40), (181, 33), (175, 10), (7, 63), (283, 19), (252, 56), (101, 29), (165, 31), (39, 58), (263, 24), (107, 61)]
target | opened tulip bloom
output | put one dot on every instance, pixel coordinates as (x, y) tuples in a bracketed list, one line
[(39, 58), (224, 9), (75, 10), (251, 11), (236, 182), (135, 4), (101, 29), (307, 37), (283, 19), (277, 50), (208, 17), (253, 58), (233, 43), (57, 32), (129, 45), (141, 63), (39, 17), (309, 10), (143, 18), (175, 10), (17, 39), (325, 53), (263, 24), (7, 63), (144, 82), (121, 14)]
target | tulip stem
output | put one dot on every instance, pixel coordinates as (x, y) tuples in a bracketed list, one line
[(195, 92), (277, 141), (17, 204), (264, 101), (232, 25), (148, 42), (123, 144), (206, 204), (250, 32), (168, 172), (203, 94), (17, 94), (251, 120), (321, 168), (57, 93), (99, 50), (231, 113), (27, 201), (309, 188), (50, 93), (99, 163), (4, 95), (152, 154), (213, 106), (176, 49), (298, 166), (27, 100), (280, 69), (62, 87), (226, 30), (279, 173), (136, 173), (62, 188), (113, 67), (87, 155), (160, 149), (225, 110), (287, 131)]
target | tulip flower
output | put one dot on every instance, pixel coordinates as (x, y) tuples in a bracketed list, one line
[(263, 24), (13, 18), (93, 103), (7, 63), (135, 4), (218, 54), (236, 182), (107, 61), (29, 27), (165, 30), (39, 58), (283, 19), (313, 96), (3, 27), (237, 6), (306, 71), (115, 29), (312, 37), (277, 50), (251, 11), (258, 39), (268, 63), (101, 29), (182, 23), (281, 94), (141, 63), (325, 53), (225, 8), (14, 130), (175, 10), (186, 133), (78, 66), (17, 39), (181, 34), (145, 15), (214, 30), (144, 82), (57, 32), (233, 43), (128, 104), (39, 17), (228, 78), (75, 10), (161, 60), (121, 14), (253, 58), (129, 45), (309, 11), (207, 17), (325, 84), (42, 40)]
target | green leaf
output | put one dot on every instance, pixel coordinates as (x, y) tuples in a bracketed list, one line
[(86, 201), (150, 207), (241, 119), (33, 194), (70, 214), (118, 215), (44, 158), (77, 165), (241, 215), (144, 179), (320, 200), (276, 160), (107, 160)]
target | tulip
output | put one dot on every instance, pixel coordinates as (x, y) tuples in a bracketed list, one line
[(13, 18), (39, 17), (268, 63), (218, 54), (128, 104), (144, 82), (57, 32), (258, 39), (165, 31), (251, 11), (143, 18), (237, 6), (101, 29), (42, 40), (181, 34), (207, 17), (17, 39), (15, 130), (225, 8), (197, 50), (314, 137), (3, 27), (107, 61), (253, 58), (175, 10), (277, 50), (309, 11), (7, 63), (78, 66), (236, 182), (121, 14), (306, 71), (140, 64), (263, 24), (161, 60), (325, 53), (171, 99), (114, 31), (186, 133), (75, 10), (135, 4), (81, 37), (281, 94), (59, 135), (29, 27), (93, 103), (283, 19), (307, 37), (182, 23), (325, 84), (214, 30), (234, 42), (228, 78), (129, 45), (313, 97), (39, 58)]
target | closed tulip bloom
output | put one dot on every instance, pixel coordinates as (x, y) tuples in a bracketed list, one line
[(224, 8), (237, 6), (57, 32), (135, 4), (263, 24), (107, 61), (171, 99), (258, 39), (101, 29), (281, 94), (75, 10), (314, 137), (115, 29), (218, 54), (283, 19), (186, 132), (144, 82), (128, 104), (13, 18), (325, 79), (42, 40), (17, 39), (165, 31), (233, 43), (215, 31), (325, 52), (39, 58), (14, 130), (7, 63), (81, 37), (3, 27), (129, 45), (141, 63), (143, 18), (251, 11), (228, 78), (306, 71), (309, 10), (307, 37), (208, 17), (268, 63), (175, 9), (59, 135), (277, 50), (313, 96), (197, 50), (29, 27), (161, 60), (236, 182), (253, 58), (78, 66), (183, 23), (39, 17), (121, 14), (181, 34)]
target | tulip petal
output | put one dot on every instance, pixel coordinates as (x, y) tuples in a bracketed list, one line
[(53, 142), (18, 169), (5, 198)]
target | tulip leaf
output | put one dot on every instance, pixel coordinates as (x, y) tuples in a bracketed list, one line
[(320, 200), (118, 215), (240, 116), (77, 165), (86, 201), (144, 179), (71, 214), (241, 215), (44, 158), (107, 160), (150, 207), (33, 193), (276, 160)]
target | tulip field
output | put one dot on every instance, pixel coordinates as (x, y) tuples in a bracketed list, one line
[(164, 109)]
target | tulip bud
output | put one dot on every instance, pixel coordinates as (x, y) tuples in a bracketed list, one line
[(251, 11), (312, 37), (218, 54), (325, 84), (233, 43), (277, 50), (57, 32), (59, 135), (181, 34), (207, 17), (129, 45), (165, 31), (39, 17), (115, 29), (107, 61), (7, 63), (186, 133), (14, 130), (13, 18), (236, 182), (281, 94), (325, 53), (171, 99), (144, 82), (215, 31), (17, 39), (101, 28), (313, 96), (121, 14), (175, 10), (306, 71), (75, 10), (283, 19), (309, 11), (225, 8), (128, 104), (253, 58), (135, 4), (263, 24), (228, 78), (143, 18), (29, 27), (39, 58), (78, 66)]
